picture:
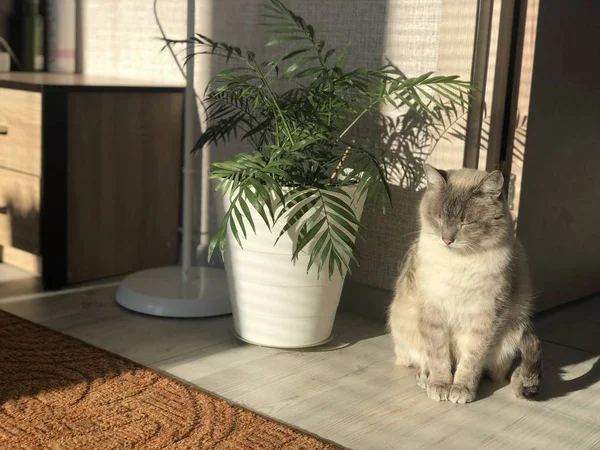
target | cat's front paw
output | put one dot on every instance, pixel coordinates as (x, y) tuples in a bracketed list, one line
[(422, 377), (438, 391), (461, 394)]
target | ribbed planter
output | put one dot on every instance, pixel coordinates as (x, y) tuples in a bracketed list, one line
[(275, 302)]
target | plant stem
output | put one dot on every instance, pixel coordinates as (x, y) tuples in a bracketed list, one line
[(340, 164), (357, 118), (265, 83), (335, 173)]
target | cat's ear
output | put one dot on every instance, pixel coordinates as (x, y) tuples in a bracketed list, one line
[(492, 184), (435, 178)]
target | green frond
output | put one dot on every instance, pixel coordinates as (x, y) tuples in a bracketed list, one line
[(221, 130)]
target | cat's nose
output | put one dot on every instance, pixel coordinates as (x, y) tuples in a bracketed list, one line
[(448, 241)]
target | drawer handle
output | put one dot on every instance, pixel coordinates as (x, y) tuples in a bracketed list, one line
[(3, 130)]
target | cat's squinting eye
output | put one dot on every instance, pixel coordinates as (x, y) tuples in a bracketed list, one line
[(465, 224)]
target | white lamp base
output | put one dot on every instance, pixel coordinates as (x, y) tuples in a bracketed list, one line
[(164, 292)]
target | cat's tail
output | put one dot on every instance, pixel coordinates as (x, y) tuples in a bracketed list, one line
[(526, 378)]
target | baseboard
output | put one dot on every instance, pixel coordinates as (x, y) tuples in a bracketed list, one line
[(366, 301)]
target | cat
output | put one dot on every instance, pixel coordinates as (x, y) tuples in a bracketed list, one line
[(463, 300)]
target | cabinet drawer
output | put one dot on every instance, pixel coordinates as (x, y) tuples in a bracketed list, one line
[(20, 211), (21, 130)]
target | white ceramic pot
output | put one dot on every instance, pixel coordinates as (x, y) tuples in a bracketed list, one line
[(275, 302)]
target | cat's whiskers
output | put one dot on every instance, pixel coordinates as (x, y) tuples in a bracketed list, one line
[(412, 233), (473, 247)]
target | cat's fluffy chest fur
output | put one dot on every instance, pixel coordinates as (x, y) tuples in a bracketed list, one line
[(461, 284)]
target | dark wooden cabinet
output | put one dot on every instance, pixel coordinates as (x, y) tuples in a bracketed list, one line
[(90, 174)]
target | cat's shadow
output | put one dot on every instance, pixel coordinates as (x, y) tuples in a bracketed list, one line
[(565, 371)]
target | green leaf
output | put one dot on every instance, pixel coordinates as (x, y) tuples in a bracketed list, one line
[(274, 17), (346, 214), (271, 184), (330, 52), (308, 72), (298, 214), (283, 40), (296, 52), (275, 24), (284, 30), (314, 254), (432, 99), (344, 223), (325, 254), (240, 220), (264, 195), (262, 126), (204, 38), (248, 214), (299, 63), (258, 207), (234, 231), (275, 8), (447, 93), (334, 198), (342, 56), (332, 260), (214, 243), (344, 241), (310, 234), (278, 172)]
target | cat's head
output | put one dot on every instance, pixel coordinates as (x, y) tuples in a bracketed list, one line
[(465, 210)]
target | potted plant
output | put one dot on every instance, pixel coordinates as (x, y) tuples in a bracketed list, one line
[(292, 200)]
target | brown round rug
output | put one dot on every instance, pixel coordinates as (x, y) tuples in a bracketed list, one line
[(58, 392)]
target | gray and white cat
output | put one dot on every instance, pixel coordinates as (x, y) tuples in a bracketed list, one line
[(463, 299)]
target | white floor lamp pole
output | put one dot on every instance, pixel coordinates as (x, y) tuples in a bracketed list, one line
[(186, 290), (188, 138)]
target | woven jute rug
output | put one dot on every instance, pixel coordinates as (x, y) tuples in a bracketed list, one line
[(60, 393)]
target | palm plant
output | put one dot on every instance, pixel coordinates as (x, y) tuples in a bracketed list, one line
[(296, 113)]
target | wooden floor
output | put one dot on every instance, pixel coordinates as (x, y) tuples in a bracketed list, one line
[(349, 392)]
